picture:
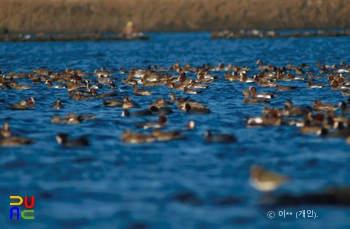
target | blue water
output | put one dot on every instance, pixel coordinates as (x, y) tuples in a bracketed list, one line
[(116, 185)]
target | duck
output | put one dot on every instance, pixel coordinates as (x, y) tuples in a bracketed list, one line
[(103, 72), (195, 110), (113, 103), (319, 106), (264, 180), (262, 67), (190, 126), (167, 136), (285, 88), (62, 139), (128, 103), (344, 108), (290, 110), (5, 131), (17, 86), (57, 86), (73, 85), (104, 95), (221, 138), (156, 69), (265, 95), (193, 84), (159, 124), (57, 104), (266, 83), (160, 102), (21, 106), (13, 141), (111, 84), (311, 76), (318, 64), (232, 77), (248, 100), (245, 79), (78, 96), (310, 84), (145, 112), (341, 132), (342, 70), (140, 92), (129, 137), (191, 92), (146, 83)]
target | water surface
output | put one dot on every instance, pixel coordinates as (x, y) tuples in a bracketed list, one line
[(115, 185)]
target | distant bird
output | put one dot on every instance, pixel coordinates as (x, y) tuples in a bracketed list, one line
[(221, 138), (264, 180), (63, 140)]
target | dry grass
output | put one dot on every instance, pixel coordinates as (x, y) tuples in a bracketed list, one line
[(171, 15)]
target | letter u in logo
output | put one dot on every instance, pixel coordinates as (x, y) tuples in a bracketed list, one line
[(20, 200), (26, 202)]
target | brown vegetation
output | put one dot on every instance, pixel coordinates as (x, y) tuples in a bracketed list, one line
[(171, 15)]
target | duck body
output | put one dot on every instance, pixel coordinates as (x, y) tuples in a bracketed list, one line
[(63, 140), (222, 138)]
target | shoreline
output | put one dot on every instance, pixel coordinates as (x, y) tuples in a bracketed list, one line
[(65, 16)]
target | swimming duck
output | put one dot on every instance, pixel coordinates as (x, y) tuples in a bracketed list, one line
[(190, 126), (191, 92), (13, 141), (248, 100), (285, 88), (17, 86), (193, 84), (5, 131), (167, 136), (156, 69), (344, 108), (21, 106), (73, 85), (262, 67), (264, 180), (145, 112), (290, 110), (265, 95), (160, 102), (312, 85), (103, 72), (232, 77), (341, 132), (311, 76), (104, 95), (319, 106), (78, 96), (140, 92), (159, 124), (221, 138), (113, 103), (128, 103), (195, 110), (63, 140), (57, 105), (145, 83), (342, 70), (58, 86), (129, 137)]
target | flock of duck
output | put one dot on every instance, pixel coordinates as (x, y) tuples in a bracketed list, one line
[(321, 119)]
